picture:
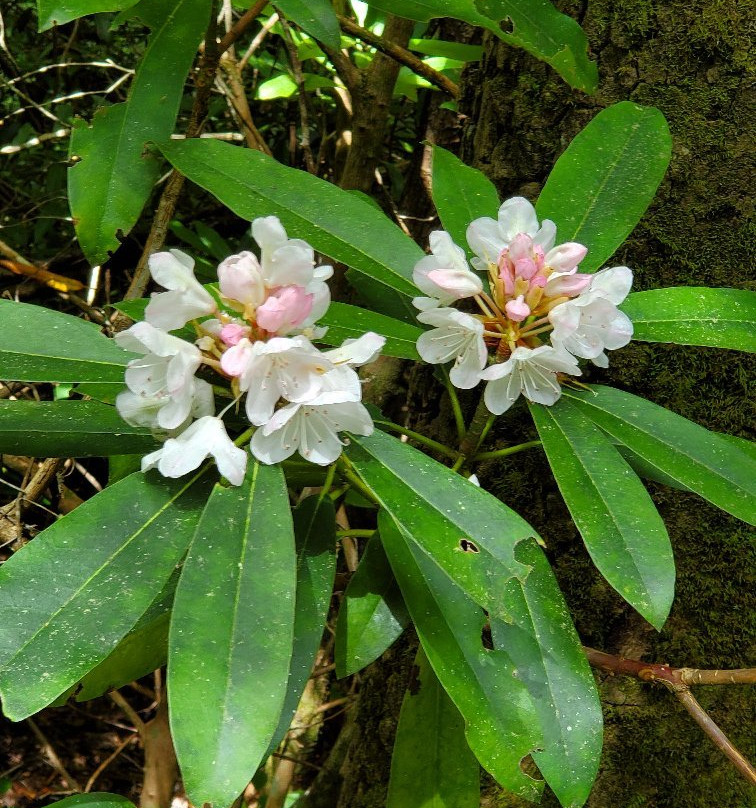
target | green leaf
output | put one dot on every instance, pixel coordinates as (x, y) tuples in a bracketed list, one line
[(501, 722), (470, 534), (534, 25), (694, 315), (460, 194), (703, 461), (98, 799), (315, 533), (547, 34), (231, 635), (141, 651), (59, 12), (112, 178), (619, 523), (70, 595), (317, 17), (450, 50), (68, 429), (431, 765), (334, 222), (41, 345), (607, 177), (349, 322), (372, 613), (458, 532), (552, 665)]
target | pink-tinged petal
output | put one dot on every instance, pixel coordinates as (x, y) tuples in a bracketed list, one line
[(456, 283), (236, 359), (525, 268), (520, 247), (517, 310), (517, 215), (233, 333), (241, 279), (565, 257), (285, 309), (567, 284)]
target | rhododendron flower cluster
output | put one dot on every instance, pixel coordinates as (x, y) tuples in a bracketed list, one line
[(257, 339), (537, 317)]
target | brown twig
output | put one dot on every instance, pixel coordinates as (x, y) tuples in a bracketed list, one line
[(241, 25), (128, 710), (401, 55), (304, 115), (678, 680), (108, 760), (52, 756)]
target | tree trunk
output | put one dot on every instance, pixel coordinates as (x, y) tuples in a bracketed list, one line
[(689, 59)]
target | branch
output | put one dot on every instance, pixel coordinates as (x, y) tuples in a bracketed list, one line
[(401, 55), (241, 26), (677, 680)]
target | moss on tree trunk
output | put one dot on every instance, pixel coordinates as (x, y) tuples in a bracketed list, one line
[(689, 59)]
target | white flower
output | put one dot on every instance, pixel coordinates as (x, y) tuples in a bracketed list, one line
[(487, 237), (207, 436), (591, 323), (187, 298), (456, 336), (163, 377), (288, 367), (444, 275), (530, 371), (357, 352), (311, 429)]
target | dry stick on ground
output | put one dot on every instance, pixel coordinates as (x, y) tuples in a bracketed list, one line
[(170, 196), (678, 680)]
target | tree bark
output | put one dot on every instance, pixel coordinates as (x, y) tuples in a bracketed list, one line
[(689, 59)]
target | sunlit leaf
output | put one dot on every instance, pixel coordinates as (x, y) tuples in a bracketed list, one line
[(606, 178), (619, 523), (335, 222), (460, 194), (231, 635), (71, 594), (68, 429), (350, 322), (534, 25), (315, 532), (694, 315), (42, 345), (709, 464), (501, 724), (112, 176)]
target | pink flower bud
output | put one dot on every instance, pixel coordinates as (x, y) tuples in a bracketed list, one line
[(517, 310), (241, 279), (565, 257), (568, 284), (521, 246), (232, 333), (525, 268), (285, 309)]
